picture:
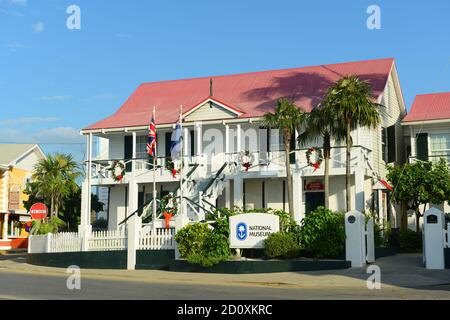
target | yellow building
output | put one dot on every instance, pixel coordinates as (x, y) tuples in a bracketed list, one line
[(16, 166)]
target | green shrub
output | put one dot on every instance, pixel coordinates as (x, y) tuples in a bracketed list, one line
[(53, 225), (410, 241), (282, 245), (198, 244), (322, 233)]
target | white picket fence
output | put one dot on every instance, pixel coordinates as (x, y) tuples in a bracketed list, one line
[(161, 239), (108, 240), (65, 242)]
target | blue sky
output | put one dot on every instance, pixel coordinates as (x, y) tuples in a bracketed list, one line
[(54, 81)]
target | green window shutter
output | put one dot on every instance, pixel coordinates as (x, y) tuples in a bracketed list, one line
[(391, 144), (168, 140), (128, 152), (422, 146), (383, 144), (293, 147)]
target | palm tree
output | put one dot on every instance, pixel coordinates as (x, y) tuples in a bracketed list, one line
[(322, 124), (286, 118), (350, 99), (55, 179)]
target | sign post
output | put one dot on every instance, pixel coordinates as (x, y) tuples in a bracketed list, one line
[(38, 211), (251, 229)]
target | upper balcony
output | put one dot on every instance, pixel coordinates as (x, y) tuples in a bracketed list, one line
[(261, 164)]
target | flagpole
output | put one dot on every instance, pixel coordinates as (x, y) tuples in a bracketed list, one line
[(154, 176), (181, 166)]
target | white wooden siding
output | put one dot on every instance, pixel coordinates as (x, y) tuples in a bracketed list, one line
[(205, 112)]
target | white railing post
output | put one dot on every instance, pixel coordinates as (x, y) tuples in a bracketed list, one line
[(48, 240), (134, 232)]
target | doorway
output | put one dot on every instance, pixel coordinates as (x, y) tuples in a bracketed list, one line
[(313, 200)]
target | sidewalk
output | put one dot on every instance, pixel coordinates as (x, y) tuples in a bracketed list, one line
[(403, 270)]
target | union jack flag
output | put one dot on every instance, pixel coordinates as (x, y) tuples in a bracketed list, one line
[(151, 141)]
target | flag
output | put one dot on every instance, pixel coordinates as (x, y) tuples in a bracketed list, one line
[(175, 143), (151, 140)]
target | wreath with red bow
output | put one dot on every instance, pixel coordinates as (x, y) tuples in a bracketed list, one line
[(318, 155), (170, 165), (169, 208), (118, 171)]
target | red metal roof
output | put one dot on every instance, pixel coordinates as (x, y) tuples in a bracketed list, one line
[(252, 93), (433, 106)]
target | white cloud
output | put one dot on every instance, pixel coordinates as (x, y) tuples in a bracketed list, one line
[(57, 98), (14, 46), (104, 96), (56, 135), (27, 121), (38, 27), (3, 11), (18, 2)]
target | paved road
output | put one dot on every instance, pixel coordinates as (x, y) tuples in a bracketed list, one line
[(18, 286), (403, 277)]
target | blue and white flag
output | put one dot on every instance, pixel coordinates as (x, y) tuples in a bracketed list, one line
[(175, 143)]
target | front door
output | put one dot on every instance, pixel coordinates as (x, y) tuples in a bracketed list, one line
[(314, 200)]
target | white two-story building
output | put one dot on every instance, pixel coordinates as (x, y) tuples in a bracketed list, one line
[(221, 119), (427, 132)]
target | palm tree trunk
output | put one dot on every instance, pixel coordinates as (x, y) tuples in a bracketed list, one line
[(326, 155), (287, 148), (347, 165), (52, 206)]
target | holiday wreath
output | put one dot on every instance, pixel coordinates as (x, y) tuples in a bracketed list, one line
[(246, 158), (118, 170), (318, 157), (169, 208), (170, 165)]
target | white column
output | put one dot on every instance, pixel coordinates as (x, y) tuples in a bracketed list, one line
[(238, 191), (359, 190), (297, 182), (238, 138), (133, 199), (5, 225), (186, 142), (134, 151), (85, 227), (227, 139), (198, 127), (134, 231)]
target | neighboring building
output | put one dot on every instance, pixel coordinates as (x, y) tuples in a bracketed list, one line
[(222, 118), (427, 132), (16, 166)]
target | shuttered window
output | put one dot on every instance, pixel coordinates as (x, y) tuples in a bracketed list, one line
[(391, 148), (128, 152), (383, 144), (422, 146)]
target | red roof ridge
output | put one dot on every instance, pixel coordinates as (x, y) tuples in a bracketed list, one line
[(263, 71)]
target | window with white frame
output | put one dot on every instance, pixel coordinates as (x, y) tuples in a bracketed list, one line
[(141, 151), (440, 146)]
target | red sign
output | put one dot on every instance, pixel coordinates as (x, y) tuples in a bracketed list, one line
[(315, 186), (38, 211)]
